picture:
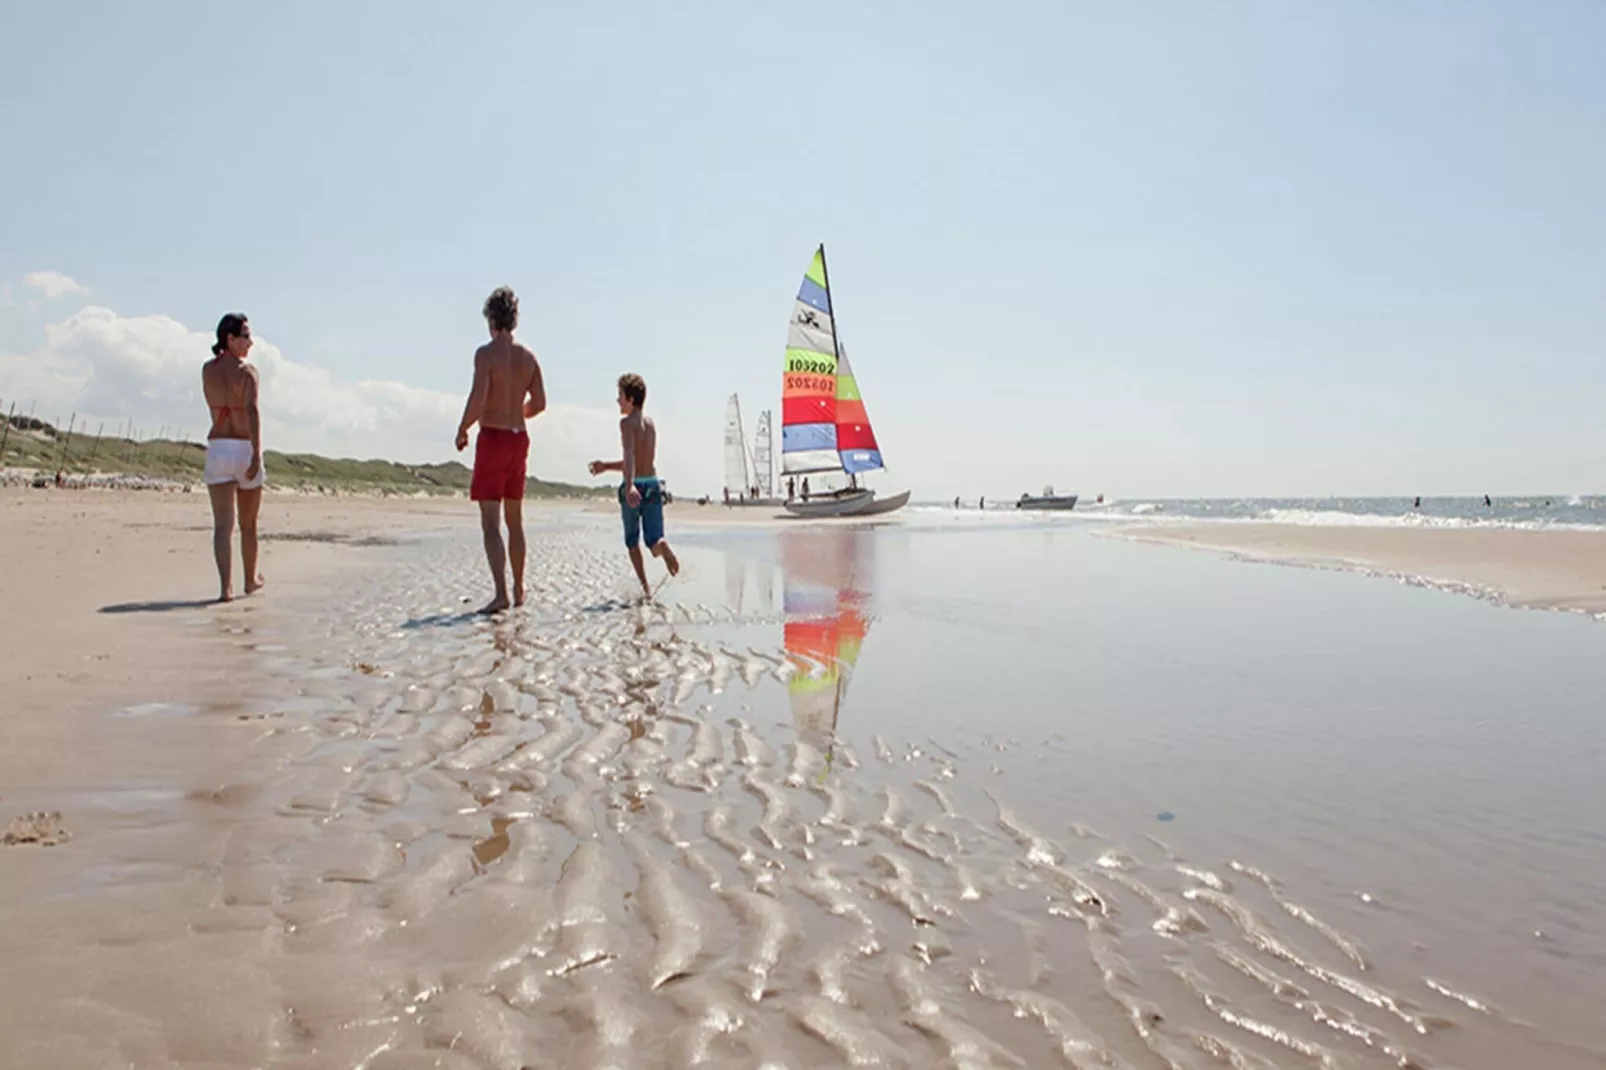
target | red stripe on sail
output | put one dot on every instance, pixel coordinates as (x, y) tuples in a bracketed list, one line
[(816, 409), (854, 436), (813, 639), (851, 626)]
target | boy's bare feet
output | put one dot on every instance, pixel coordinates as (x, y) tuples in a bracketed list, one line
[(253, 586), (495, 605), (670, 559), (227, 595), (518, 594)]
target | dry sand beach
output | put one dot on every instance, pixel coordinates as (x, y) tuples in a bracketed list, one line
[(907, 796), (1547, 569)]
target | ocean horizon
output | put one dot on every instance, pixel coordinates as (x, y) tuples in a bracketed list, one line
[(1525, 511)]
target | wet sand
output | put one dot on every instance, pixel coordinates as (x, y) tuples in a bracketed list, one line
[(809, 810), (1535, 569)]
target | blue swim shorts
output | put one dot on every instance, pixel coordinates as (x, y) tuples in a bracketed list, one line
[(645, 521)]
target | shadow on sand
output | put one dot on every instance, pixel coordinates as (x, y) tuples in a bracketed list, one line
[(159, 607), (442, 620)]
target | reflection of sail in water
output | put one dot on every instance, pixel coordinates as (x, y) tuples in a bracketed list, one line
[(827, 584), (735, 581)]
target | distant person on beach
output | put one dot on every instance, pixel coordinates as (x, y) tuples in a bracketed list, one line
[(1417, 504), (507, 391), (233, 473), (641, 495)]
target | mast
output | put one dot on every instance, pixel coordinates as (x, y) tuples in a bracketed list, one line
[(825, 269)]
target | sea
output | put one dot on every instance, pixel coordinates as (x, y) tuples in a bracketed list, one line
[(1534, 511)]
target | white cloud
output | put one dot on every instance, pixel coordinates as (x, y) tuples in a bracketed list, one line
[(53, 284), (112, 368)]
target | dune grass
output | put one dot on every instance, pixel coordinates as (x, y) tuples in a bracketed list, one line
[(36, 444)]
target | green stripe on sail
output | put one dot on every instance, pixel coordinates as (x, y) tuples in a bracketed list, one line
[(803, 684), (847, 388), (810, 361), (816, 271)]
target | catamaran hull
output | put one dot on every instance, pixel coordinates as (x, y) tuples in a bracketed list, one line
[(878, 506), (1059, 501), (862, 503)]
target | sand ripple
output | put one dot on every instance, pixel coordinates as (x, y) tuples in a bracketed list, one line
[(587, 835)]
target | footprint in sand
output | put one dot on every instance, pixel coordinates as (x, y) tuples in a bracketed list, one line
[(41, 828)]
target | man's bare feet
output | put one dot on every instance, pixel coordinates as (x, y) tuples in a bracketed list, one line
[(253, 586), (671, 560), (495, 605), (518, 594), (226, 596)]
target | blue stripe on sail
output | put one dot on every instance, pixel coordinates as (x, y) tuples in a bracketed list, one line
[(813, 294), (808, 601), (795, 437), (860, 460)]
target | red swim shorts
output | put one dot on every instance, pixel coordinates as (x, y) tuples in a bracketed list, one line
[(499, 457)]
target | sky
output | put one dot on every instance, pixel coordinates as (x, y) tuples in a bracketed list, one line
[(1148, 249)]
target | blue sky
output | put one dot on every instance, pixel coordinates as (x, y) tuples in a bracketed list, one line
[(1141, 249)]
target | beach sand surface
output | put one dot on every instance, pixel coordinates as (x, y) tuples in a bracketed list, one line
[(1540, 569), (1081, 803), (138, 710)]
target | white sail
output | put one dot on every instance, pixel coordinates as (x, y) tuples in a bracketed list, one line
[(737, 481), (763, 456)]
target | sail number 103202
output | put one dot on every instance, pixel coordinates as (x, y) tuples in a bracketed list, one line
[(810, 365), (811, 384)]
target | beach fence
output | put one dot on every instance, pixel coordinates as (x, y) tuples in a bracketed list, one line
[(128, 456), (5, 435)]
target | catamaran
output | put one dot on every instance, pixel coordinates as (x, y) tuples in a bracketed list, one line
[(824, 426), (749, 475)]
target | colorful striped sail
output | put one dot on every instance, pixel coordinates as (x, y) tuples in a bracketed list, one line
[(826, 575), (808, 385), (855, 439)]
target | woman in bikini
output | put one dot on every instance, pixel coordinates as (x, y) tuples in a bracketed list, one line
[(234, 473)]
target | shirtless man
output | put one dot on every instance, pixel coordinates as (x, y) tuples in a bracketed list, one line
[(641, 496), (233, 474), (507, 391)]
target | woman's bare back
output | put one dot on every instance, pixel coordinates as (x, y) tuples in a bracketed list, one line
[(226, 382)]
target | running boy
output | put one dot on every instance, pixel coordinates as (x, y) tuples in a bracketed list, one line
[(641, 496)]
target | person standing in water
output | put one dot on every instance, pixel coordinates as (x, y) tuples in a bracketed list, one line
[(507, 391), (641, 495), (233, 473)]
